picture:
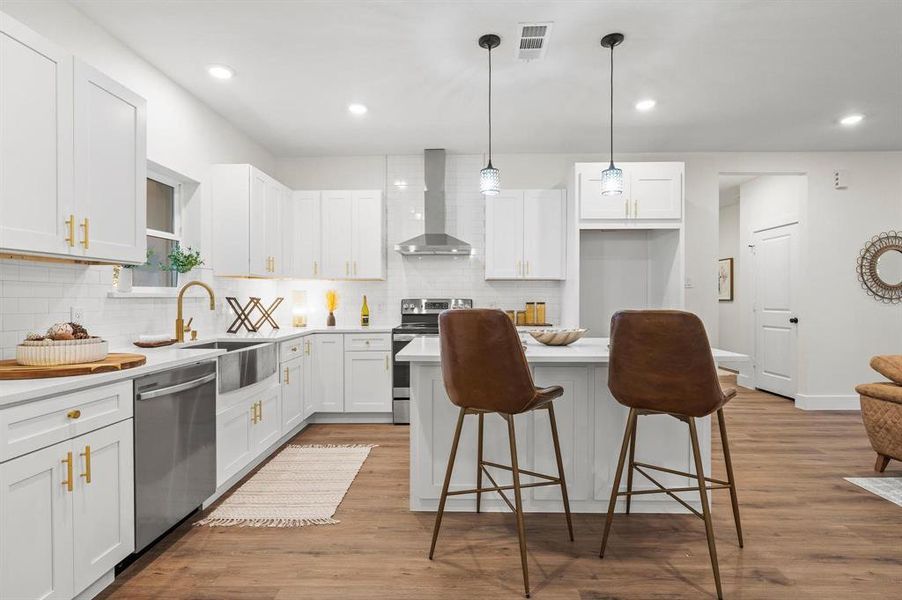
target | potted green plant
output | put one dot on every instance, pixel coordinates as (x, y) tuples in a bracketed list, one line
[(182, 261), (123, 277)]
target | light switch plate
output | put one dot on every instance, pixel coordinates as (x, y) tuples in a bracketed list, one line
[(840, 180)]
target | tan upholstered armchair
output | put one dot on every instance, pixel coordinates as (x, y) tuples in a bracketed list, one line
[(881, 410)]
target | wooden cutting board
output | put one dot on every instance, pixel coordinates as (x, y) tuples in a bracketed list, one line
[(10, 369)]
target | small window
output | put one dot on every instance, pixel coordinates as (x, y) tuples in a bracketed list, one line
[(163, 232)]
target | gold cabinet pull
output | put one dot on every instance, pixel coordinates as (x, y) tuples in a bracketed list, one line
[(287, 381), (259, 410), (85, 225), (254, 413), (307, 347), (626, 208), (294, 348), (386, 362), (73, 414), (87, 455), (347, 268), (636, 209), (68, 462), (70, 227), (355, 267), (527, 267), (519, 268), (315, 268)]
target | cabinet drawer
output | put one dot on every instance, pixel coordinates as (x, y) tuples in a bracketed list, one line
[(27, 427), (356, 342), (292, 348)]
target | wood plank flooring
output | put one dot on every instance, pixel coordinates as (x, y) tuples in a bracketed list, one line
[(808, 533)]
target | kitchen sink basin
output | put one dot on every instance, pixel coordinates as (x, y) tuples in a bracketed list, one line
[(245, 362), (227, 346)]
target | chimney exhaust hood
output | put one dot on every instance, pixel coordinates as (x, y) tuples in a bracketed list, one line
[(435, 241)]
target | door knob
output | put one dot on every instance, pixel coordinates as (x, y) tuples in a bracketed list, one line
[(793, 320)]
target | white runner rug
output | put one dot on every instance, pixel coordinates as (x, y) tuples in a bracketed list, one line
[(889, 488), (301, 485)]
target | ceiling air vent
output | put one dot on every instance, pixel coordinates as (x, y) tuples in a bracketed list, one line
[(533, 40)]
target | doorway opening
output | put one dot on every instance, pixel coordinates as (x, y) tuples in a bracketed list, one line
[(758, 275)]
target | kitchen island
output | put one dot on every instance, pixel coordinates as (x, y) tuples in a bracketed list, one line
[(590, 424)]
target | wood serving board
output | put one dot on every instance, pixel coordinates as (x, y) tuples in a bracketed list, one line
[(155, 344), (10, 369)]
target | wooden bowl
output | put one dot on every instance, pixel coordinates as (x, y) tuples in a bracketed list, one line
[(557, 337)]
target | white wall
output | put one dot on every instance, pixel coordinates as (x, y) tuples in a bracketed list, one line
[(728, 317)]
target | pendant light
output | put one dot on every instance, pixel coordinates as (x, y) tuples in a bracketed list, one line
[(612, 177), (490, 177)]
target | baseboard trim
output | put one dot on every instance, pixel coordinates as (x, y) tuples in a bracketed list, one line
[(351, 418), (745, 380), (98, 586), (827, 402)]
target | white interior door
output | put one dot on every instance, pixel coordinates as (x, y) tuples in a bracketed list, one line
[(776, 258), (110, 168), (35, 141), (544, 235), (504, 235)]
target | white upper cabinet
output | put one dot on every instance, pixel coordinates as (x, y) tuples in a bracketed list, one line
[(367, 249), (248, 224), (525, 235), (72, 155), (592, 203), (304, 234), (35, 141), (110, 168), (336, 212), (652, 196)]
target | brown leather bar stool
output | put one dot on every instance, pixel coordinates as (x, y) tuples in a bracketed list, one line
[(661, 363), (485, 371)]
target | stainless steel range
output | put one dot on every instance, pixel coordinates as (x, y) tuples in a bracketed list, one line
[(419, 316)]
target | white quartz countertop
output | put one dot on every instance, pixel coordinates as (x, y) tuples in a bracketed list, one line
[(158, 359), (587, 350)]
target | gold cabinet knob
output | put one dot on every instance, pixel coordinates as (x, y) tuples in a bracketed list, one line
[(73, 414)]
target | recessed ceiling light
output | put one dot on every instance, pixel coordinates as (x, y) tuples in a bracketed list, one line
[(221, 71), (850, 120), (357, 109), (645, 105)]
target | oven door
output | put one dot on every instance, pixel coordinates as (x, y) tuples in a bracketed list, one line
[(400, 380)]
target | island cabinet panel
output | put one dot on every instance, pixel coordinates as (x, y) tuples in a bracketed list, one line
[(590, 425), (573, 413)]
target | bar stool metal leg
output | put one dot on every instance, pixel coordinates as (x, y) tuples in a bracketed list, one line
[(479, 463), (518, 503), (728, 461), (706, 511), (444, 496), (560, 468), (630, 424), (629, 469)]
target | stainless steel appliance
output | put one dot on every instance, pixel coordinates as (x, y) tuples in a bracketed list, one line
[(245, 363), (419, 316), (175, 447)]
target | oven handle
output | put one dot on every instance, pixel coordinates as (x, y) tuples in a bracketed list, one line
[(174, 389), (403, 337)]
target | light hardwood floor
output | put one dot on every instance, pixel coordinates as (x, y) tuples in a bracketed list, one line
[(808, 533)]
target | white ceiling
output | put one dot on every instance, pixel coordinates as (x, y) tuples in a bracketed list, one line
[(727, 75)]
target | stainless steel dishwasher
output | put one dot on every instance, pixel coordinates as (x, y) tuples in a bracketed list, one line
[(175, 447)]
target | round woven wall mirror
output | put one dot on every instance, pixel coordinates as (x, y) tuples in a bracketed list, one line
[(880, 267)]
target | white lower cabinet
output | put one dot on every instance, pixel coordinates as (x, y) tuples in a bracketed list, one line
[(66, 514), (251, 423), (293, 381), (368, 382), (328, 379)]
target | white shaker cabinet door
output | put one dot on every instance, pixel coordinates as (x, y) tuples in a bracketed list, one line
[(656, 190), (328, 363), (268, 428), (234, 440), (104, 506), (110, 168), (368, 382), (35, 141), (292, 393), (304, 231), (258, 251), (504, 235), (368, 254), (336, 214), (275, 195), (36, 520), (544, 235), (595, 205)]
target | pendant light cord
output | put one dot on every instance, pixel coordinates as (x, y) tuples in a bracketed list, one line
[(490, 106), (612, 105)]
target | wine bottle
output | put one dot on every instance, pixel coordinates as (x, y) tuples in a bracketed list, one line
[(365, 314)]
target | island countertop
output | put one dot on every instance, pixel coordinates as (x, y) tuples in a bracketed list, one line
[(425, 349)]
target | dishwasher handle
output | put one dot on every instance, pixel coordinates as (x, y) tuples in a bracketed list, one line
[(173, 389)]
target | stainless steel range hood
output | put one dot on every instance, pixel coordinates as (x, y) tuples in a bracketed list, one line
[(435, 241)]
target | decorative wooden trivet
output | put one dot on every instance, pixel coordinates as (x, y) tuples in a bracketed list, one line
[(244, 314)]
